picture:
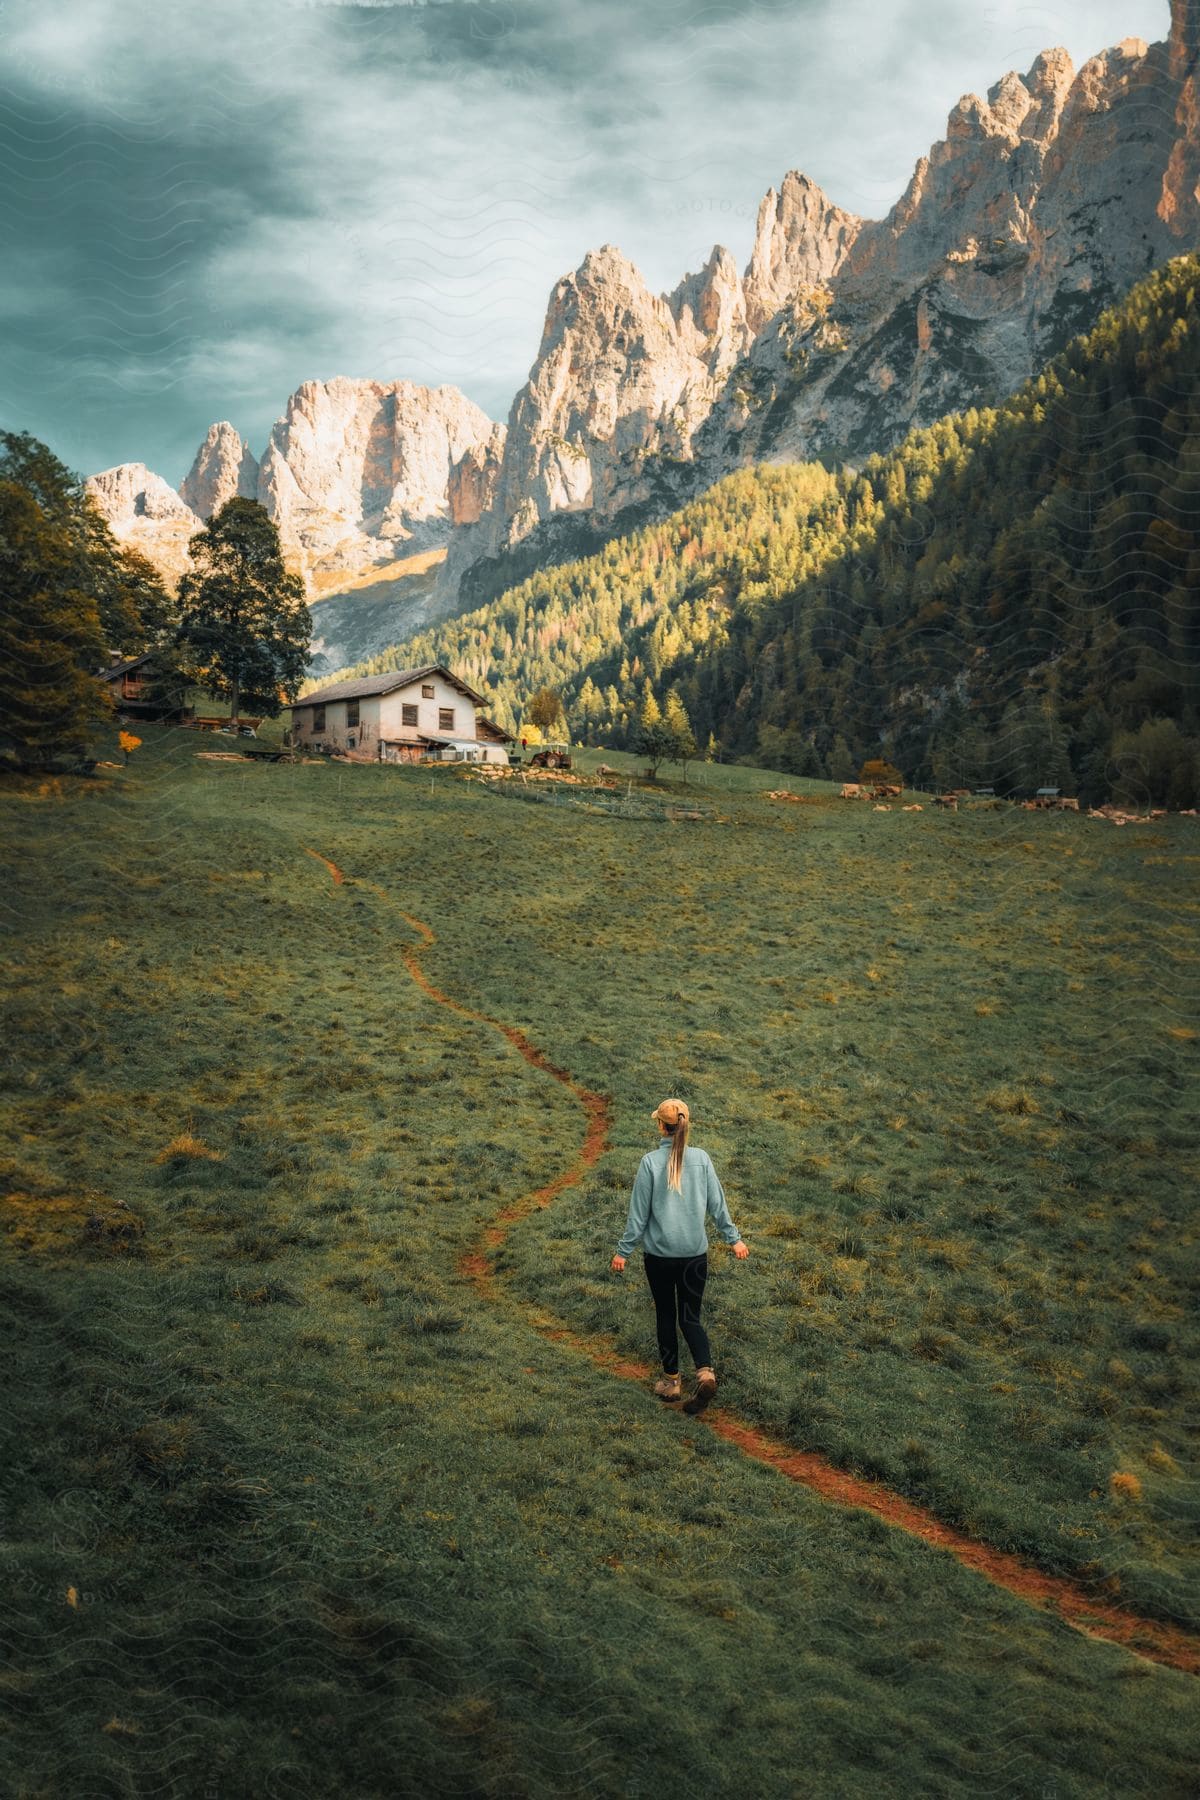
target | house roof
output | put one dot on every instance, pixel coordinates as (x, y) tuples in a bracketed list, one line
[(493, 732), (433, 739), (123, 665), (370, 685)]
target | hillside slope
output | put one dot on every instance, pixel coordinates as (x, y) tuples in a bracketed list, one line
[(358, 616), (1045, 201), (1003, 598), (288, 1499)]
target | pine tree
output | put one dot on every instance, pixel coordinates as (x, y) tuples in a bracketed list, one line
[(131, 603), (649, 713), (679, 727), (51, 639)]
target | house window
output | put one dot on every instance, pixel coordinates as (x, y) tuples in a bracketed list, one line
[(318, 722), (408, 715), (445, 718), (351, 713), (427, 691)]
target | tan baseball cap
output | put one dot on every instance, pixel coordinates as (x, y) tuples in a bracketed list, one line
[(669, 1113)]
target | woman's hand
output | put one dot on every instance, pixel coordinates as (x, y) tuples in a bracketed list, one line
[(617, 1264), (741, 1251)]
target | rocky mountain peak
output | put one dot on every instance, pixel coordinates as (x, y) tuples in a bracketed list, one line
[(356, 468), (144, 511), (601, 264), (605, 290), (224, 467), (712, 306), (801, 240), (1018, 107), (1047, 82), (132, 491), (355, 473), (622, 379), (1042, 203)]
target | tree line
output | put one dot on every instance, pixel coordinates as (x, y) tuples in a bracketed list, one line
[(75, 598)]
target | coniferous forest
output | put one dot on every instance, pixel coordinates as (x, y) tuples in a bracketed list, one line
[(1009, 598)]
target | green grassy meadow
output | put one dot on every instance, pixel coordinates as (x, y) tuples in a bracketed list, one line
[(288, 1508)]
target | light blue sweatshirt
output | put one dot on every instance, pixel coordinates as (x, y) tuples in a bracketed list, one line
[(670, 1223)]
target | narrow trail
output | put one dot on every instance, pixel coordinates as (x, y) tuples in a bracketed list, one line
[(1153, 1639)]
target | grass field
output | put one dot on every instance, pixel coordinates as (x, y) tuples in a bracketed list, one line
[(291, 1506)]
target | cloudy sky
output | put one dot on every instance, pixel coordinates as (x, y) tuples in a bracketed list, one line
[(204, 205)]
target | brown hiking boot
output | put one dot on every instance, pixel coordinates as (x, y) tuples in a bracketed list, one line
[(706, 1387), (668, 1387)]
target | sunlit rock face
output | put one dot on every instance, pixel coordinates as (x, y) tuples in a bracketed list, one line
[(224, 468), (1043, 203), (144, 511), (357, 473), (1046, 200)]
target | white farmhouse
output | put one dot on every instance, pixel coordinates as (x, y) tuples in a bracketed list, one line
[(406, 716)]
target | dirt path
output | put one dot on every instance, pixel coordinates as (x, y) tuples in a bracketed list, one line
[(1151, 1638)]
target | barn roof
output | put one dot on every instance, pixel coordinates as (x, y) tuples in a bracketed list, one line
[(370, 685)]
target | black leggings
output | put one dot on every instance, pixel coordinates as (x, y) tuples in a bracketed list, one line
[(677, 1282)]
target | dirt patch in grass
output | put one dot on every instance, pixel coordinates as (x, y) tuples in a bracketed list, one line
[(57, 1224)]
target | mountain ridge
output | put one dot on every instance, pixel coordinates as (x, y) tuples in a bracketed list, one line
[(356, 474), (1044, 201), (1024, 575)]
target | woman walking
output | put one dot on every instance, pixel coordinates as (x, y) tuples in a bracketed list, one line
[(675, 1189)]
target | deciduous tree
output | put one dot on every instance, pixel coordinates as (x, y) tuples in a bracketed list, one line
[(545, 710), (245, 630)]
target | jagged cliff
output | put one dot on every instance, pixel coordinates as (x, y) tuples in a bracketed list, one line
[(224, 467), (356, 474), (622, 381), (145, 511), (1043, 203), (359, 472), (801, 241)]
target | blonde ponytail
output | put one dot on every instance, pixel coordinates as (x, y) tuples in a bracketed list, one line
[(679, 1138)]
